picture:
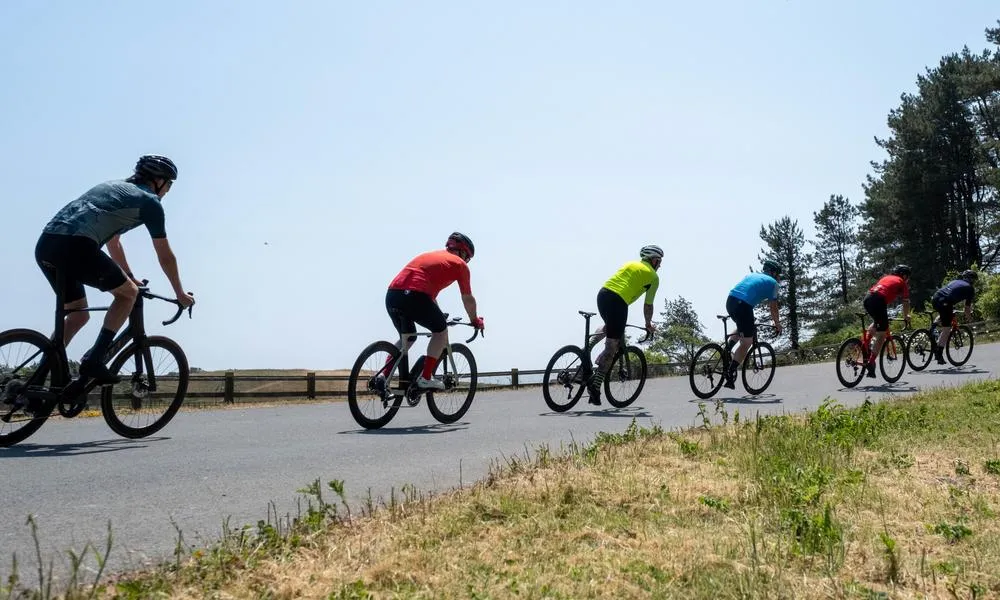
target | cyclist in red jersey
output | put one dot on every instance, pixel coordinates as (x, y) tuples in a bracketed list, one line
[(877, 301), (412, 298)]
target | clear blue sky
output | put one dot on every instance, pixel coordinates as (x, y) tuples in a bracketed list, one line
[(349, 136)]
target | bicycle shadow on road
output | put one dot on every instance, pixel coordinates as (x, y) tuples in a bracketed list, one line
[(900, 387), (96, 447), (636, 411), (744, 399), (415, 429), (963, 370)]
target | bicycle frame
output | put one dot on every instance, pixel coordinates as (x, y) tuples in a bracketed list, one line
[(406, 340)]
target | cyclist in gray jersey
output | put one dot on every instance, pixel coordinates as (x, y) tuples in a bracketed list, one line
[(70, 245)]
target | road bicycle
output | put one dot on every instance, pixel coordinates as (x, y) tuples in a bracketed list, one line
[(922, 342), (855, 353), (711, 363), (35, 376), (571, 367), (374, 397)]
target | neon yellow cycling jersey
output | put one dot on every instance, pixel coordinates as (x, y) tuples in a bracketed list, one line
[(633, 279)]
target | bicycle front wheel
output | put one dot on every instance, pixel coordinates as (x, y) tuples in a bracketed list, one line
[(371, 401), (154, 375), (920, 349), (960, 345), (758, 368), (460, 381), (892, 359), (565, 378), (27, 358), (850, 362), (626, 377), (708, 371)]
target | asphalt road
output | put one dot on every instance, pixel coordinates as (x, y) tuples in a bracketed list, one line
[(205, 466)]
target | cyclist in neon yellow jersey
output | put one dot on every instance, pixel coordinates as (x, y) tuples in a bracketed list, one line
[(634, 279)]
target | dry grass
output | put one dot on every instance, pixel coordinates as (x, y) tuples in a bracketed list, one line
[(887, 501)]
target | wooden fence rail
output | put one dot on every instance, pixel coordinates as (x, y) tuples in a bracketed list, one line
[(229, 387)]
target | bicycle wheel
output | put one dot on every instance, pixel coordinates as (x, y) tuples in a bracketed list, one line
[(373, 405), (758, 368), (565, 378), (707, 372), (22, 352), (960, 345), (626, 377), (154, 381), (919, 349), (850, 362), (892, 359), (460, 381)]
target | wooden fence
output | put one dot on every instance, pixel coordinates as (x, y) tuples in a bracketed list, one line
[(231, 387)]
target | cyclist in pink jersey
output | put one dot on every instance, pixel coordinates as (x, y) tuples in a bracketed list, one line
[(412, 298)]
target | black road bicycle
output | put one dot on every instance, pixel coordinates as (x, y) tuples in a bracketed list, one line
[(570, 368), (35, 378), (374, 397), (922, 342), (711, 364)]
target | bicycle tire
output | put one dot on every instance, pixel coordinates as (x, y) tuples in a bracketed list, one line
[(964, 336), (892, 349), (762, 357), (850, 361), (451, 378), (622, 365), (352, 387), (55, 371), (113, 415), (710, 366), (920, 349), (566, 378)]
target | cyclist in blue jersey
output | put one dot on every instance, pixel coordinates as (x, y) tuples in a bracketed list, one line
[(944, 301), (70, 245), (748, 293)]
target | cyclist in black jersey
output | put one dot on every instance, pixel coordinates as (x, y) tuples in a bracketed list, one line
[(70, 245), (944, 301)]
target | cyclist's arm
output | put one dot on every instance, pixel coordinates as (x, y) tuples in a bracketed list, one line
[(469, 301), (647, 311), (906, 309), (117, 253), (773, 305), (168, 262)]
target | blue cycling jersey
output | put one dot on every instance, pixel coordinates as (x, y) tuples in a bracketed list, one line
[(755, 288), (955, 292), (108, 209)]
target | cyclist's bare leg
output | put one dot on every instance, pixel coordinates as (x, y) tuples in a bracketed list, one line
[(596, 337), (435, 347), (741, 350), (879, 341), (944, 336), (74, 322), (118, 312), (604, 358)]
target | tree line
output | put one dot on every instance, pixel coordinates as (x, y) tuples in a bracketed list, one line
[(933, 203)]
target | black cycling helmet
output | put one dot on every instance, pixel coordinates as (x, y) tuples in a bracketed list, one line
[(901, 270), (771, 267), (152, 166), (969, 275), (460, 241)]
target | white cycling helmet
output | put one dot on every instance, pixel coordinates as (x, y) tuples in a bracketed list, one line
[(650, 252)]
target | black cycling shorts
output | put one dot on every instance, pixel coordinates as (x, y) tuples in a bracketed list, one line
[(945, 309), (407, 307), (80, 261), (614, 311), (876, 306), (742, 315)]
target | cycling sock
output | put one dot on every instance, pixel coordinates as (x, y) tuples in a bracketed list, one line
[(429, 363), (104, 339), (597, 379)]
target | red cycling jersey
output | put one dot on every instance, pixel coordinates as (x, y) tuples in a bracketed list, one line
[(890, 287), (431, 272)]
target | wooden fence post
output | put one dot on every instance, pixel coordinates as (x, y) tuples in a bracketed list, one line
[(311, 385), (228, 393), (513, 378)]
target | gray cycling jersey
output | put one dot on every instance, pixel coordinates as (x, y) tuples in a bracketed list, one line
[(109, 209)]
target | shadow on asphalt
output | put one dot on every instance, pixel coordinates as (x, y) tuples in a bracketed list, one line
[(422, 429), (898, 387), (963, 370), (28, 449), (744, 399), (636, 411)]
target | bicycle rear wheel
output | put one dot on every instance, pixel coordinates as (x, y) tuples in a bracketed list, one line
[(460, 381), (892, 359), (372, 404), (565, 378), (154, 382), (758, 368), (27, 358), (708, 371), (920, 349), (960, 345), (850, 362), (626, 377)]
